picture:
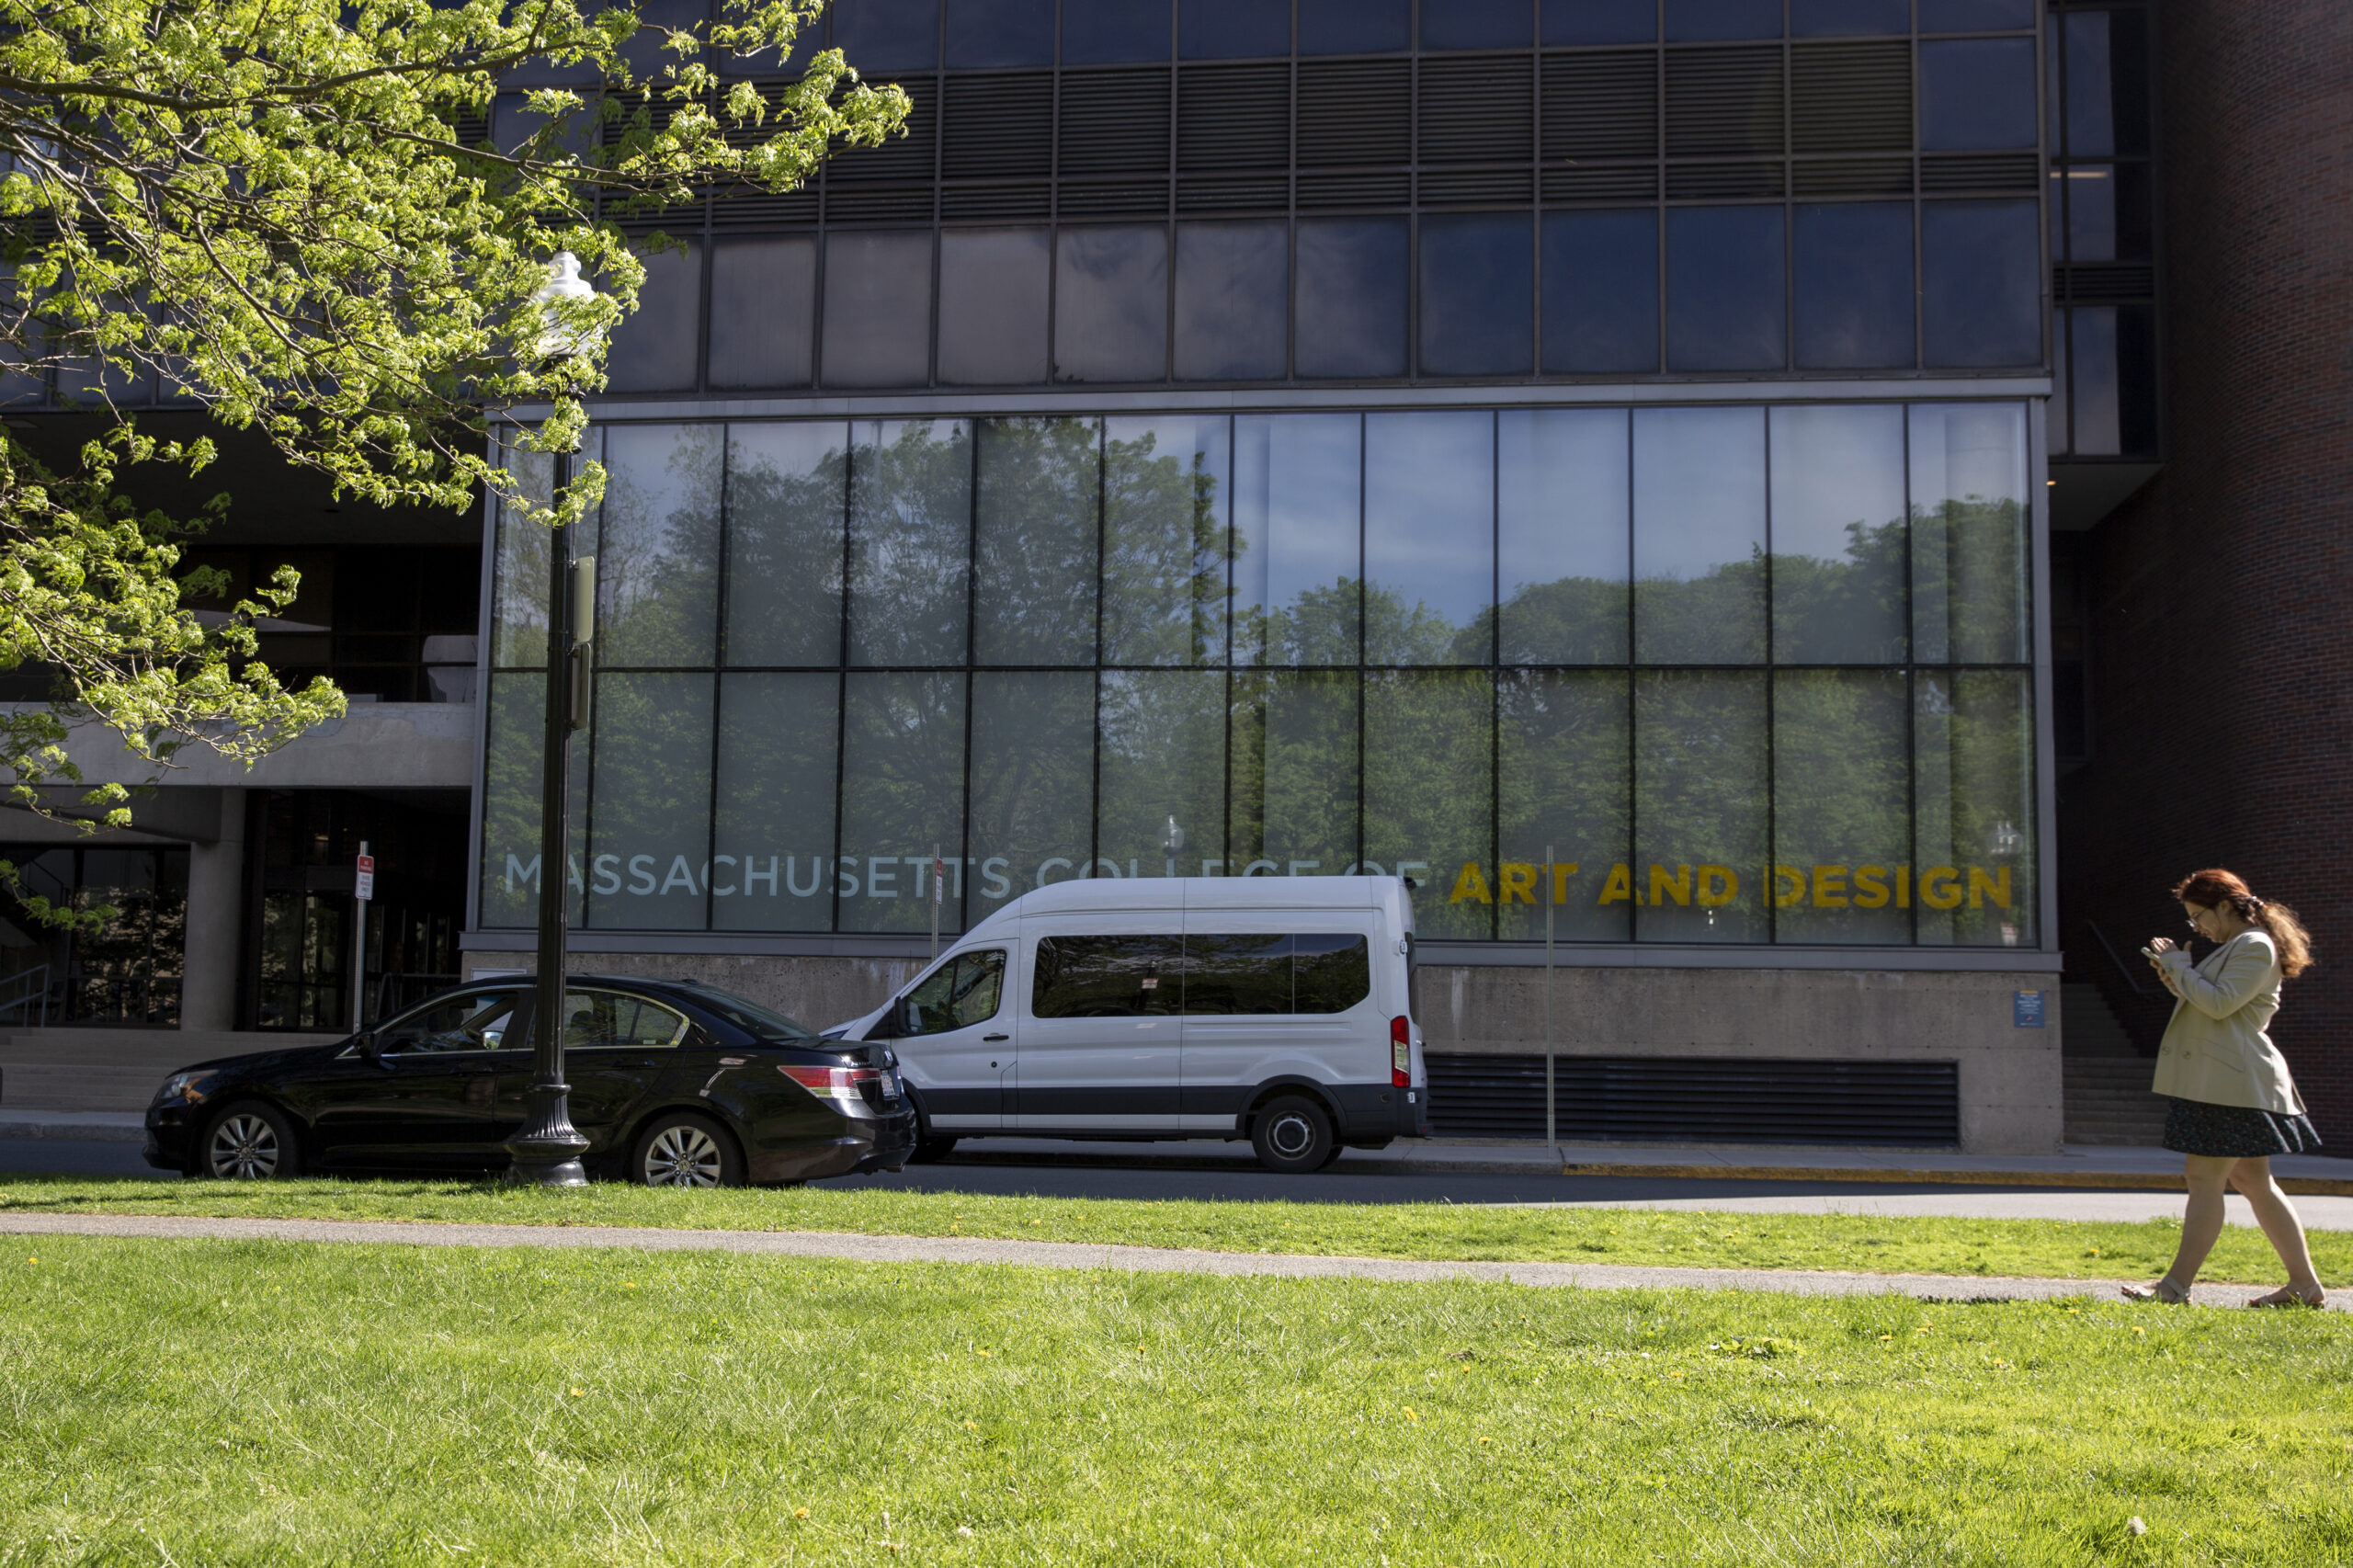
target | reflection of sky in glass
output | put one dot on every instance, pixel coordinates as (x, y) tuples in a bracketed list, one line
[(1295, 486), (658, 549), (1562, 477), (1968, 450), (1832, 466), (1429, 517), (1699, 490), (1169, 578)]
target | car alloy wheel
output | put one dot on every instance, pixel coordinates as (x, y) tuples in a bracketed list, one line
[(244, 1147), (684, 1155)]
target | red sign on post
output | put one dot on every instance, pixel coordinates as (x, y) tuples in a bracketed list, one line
[(364, 884)]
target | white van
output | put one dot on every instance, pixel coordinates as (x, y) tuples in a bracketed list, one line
[(1278, 1010)]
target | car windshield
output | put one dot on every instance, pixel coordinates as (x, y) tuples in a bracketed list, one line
[(750, 1017)]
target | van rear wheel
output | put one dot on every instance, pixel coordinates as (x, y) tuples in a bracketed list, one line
[(1292, 1135)]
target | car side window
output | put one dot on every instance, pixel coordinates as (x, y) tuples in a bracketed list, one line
[(956, 995), (609, 1018), (473, 1021)]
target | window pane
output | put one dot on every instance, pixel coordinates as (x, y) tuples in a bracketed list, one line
[(1974, 16), (1430, 522), (1352, 27), (653, 349), (1699, 808), (1692, 20), (1231, 29), (1476, 24), (762, 295), (2098, 427), (1293, 796), (1111, 305), (1854, 286), (1848, 19), (1164, 501), (1838, 536), (787, 488), (658, 578), (1162, 771), (1108, 977), (1033, 784), (1352, 297), (1296, 530), (777, 736), (1477, 296), (1330, 972), (1102, 31), (1600, 21), (649, 831), (902, 798), (958, 994), (1041, 485), (1564, 530), (1725, 305), (2107, 84), (910, 538), (877, 310), (1977, 93), (1698, 535), (1601, 290), (1981, 283), (1232, 290), (519, 589), (1244, 972), (1428, 792), (1841, 802), (2055, 414), (993, 304), (1969, 552), (2107, 211), (1000, 32), (1564, 783), (510, 803), (1973, 738), (888, 35)]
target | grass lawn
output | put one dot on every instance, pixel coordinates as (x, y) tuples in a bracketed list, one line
[(2068, 1250), (270, 1403)]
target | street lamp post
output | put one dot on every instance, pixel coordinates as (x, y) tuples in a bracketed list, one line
[(547, 1147)]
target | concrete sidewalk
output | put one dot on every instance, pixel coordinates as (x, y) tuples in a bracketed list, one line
[(1075, 1255)]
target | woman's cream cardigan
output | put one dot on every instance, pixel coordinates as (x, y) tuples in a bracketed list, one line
[(2215, 1049)]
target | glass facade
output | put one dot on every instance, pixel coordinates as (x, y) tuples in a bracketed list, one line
[(1680, 675)]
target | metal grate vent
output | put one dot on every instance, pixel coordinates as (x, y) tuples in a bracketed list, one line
[(870, 204), (1850, 97), (468, 128), (1234, 116), (1637, 182), (1114, 122), (905, 157), (1267, 193), (1325, 192), (1853, 176), (2105, 282), (1677, 1099), (1128, 198), (1478, 110), (999, 127), (1982, 171), (1723, 103), (1478, 187), (1600, 106), (996, 201), (752, 213), (1687, 182), (1354, 111)]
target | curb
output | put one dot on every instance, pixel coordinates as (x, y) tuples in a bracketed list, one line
[(2128, 1181), (132, 1131)]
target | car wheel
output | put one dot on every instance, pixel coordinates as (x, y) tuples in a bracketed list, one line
[(932, 1148), (685, 1150), (1292, 1135), (248, 1142)]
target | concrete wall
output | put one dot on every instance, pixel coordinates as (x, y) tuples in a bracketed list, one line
[(377, 745), (2010, 1084)]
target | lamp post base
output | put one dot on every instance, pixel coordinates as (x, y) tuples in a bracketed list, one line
[(547, 1147)]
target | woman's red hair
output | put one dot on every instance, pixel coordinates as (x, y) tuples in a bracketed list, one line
[(2214, 887)]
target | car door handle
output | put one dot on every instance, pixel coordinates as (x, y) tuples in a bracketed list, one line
[(996, 1037)]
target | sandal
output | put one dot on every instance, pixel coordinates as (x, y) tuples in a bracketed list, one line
[(2164, 1291), (2292, 1296)]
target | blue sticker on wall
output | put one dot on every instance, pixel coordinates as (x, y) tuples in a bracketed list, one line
[(2026, 1010)]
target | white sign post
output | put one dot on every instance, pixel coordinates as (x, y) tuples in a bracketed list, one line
[(363, 888)]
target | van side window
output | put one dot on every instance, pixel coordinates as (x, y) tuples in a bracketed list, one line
[(1330, 972), (957, 994), (1270, 972), (1108, 977)]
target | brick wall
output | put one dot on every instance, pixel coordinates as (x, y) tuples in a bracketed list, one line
[(2222, 593)]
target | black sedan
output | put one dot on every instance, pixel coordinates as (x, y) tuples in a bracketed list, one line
[(674, 1085)]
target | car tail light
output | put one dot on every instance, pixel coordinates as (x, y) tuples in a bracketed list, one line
[(1400, 1053), (854, 1086)]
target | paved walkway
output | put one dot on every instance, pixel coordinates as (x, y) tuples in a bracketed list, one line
[(1077, 1255)]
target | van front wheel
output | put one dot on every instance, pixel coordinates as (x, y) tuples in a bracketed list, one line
[(1292, 1135)]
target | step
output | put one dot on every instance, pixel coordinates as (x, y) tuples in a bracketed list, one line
[(2089, 1027)]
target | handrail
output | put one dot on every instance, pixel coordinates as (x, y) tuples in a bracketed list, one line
[(2132, 981), (35, 982)]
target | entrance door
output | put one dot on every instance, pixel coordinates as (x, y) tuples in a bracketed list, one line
[(955, 1039), (1100, 1047)]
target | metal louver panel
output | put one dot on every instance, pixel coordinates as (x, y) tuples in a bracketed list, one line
[(866, 204), (1853, 176), (1478, 109), (1982, 171), (1114, 122), (1477, 187), (468, 129), (904, 157), (1850, 97), (751, 213), (999, 127), (1354, 111), (1234, 116), (1263, 193), (1601, 106), (1324, 192), (996, 201), (1698, 1100), (1688, 182), (1129, 198), (1602, 182), (1723, 102)]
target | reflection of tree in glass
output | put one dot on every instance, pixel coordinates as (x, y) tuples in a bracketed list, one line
[(1041, 485), (1844, 612), (1717, 617), (657, 561), (1571, 621), (1974, 736), (903, 791), (785, 491), (519, 631), (1841, 798), (910, 541), (1427, 794), (651, 797), (1970, 564), (1565, 786), (1033, 772), (1162, 758), (1294, 770), (1700, 799), (1164, 556), (510, 817)]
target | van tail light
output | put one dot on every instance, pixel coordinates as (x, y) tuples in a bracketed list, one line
[(854, 1087), (1400, 1053)]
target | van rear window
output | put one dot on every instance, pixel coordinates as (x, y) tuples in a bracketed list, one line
[(1252, 973)]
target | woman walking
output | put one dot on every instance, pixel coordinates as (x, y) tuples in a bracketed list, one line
[(2231, 1104)]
